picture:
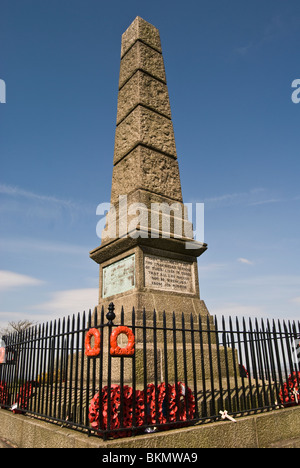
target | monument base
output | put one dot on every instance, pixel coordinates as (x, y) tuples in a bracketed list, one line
[(159, 275), (159, 302)]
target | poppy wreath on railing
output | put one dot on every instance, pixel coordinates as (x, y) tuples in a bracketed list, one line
[(4, 394), (23, 397), (115, 349), (162, 408), (289, 393), (90, 350)]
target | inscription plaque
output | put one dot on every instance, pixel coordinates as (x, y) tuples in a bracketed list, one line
[(118, 277), (169, 275)]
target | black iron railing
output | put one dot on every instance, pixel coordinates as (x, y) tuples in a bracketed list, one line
[(142, 372)]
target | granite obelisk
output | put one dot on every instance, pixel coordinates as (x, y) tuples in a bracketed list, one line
[(144, 259)]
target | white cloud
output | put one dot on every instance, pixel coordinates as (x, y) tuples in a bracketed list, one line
[(254, 197), (70, 301), (296, 300), (33, 204), (266, 202), (19, 245), (18, 192), (11, 280), (245, 261), (229, 199), (60, 305), (276, 27), (244, 50)]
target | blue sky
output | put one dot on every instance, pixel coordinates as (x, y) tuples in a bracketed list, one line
[(229, 66)]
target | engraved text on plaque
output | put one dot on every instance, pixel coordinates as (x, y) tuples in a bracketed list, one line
[(119, 277), (169, 275)]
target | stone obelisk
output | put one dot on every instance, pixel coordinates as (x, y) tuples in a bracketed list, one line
[(147, 256)]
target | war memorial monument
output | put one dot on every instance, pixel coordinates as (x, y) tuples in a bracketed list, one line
[(148, 256)]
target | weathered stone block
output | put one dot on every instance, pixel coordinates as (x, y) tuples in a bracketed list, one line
[(144, 168), (143, 126), (142, 57), (145, 90), (140, 29)]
